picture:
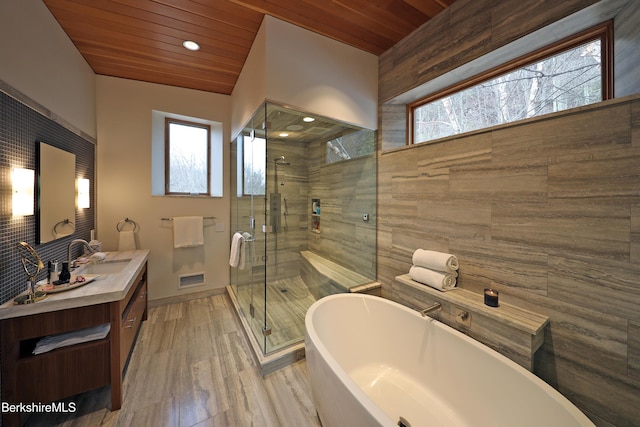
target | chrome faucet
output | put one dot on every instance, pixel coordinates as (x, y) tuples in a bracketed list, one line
[(73, 242), (433, 307)]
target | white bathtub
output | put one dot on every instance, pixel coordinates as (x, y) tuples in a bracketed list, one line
[(372, 361)]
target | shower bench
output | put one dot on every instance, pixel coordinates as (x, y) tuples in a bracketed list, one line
[(325, 277)]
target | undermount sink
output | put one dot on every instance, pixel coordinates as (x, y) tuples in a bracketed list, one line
[(104, 267)]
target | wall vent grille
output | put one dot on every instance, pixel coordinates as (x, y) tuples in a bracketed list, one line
[(189, 280)]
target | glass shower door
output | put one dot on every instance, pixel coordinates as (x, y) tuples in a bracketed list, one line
[(248, 165)]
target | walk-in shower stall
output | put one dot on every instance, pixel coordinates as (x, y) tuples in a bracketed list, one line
[(304, 196)]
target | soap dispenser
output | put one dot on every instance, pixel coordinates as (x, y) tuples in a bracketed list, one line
[(65, 274), (54, 271)]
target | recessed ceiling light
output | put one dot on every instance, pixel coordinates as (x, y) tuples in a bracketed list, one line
[(308, 119), (284, 134), (191, 45), (294, 128)]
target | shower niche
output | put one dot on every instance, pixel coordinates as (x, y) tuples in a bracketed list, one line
[(315, 216), (287, 167)]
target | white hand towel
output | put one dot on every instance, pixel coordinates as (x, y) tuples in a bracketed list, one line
[(187, 231), (438, 261), (127, 241), (236, 256), (98, 256), (435, 279)]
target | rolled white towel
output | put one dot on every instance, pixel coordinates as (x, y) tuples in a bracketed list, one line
[(434, 260), (435, 279)]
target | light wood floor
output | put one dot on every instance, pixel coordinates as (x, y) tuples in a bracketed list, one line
[(192, 366)]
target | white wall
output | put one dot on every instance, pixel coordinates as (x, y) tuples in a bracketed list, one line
[(38, 59), (124, 115), (319, 75), (309, 72), (250, 90)]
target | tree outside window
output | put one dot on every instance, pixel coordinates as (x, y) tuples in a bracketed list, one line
[(255, 166), (564, 79)]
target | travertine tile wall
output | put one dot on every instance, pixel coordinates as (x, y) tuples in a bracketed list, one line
[(542, 211), (346, 189), (283, 248), (547, 211)]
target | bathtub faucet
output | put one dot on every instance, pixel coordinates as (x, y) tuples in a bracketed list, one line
[(433, 307)]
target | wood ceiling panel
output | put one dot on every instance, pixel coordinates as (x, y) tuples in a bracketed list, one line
[(176, 18), (131, 45), (125, 72), (147, 20), (325, 20), (145, 61), (142, 39), (103, 23), (388, 14), (429, 8)]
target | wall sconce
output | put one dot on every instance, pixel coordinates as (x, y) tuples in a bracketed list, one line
[(22, 183), (83, 193)]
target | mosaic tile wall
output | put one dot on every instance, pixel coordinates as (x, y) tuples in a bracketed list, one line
[(21, 127)]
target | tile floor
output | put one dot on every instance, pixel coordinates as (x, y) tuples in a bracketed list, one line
[(192, 366)]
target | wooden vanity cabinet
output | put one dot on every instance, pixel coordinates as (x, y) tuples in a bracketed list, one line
[(126, 317), (64, 372)]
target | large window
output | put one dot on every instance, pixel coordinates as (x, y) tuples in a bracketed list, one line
[(187, 157), (568, 74)]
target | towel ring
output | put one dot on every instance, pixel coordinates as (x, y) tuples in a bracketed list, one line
[(123, 222), (63, 222)]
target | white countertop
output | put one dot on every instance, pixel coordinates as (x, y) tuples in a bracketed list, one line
[(106, 288)]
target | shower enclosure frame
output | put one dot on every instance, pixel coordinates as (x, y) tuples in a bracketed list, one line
[(278, 217)]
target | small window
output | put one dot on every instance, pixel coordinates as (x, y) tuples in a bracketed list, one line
[(568, 74), (187, 157)]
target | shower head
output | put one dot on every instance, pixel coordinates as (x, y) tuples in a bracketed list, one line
[(281, 161)]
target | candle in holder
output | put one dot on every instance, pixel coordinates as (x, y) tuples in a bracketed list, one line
[(491, 297)]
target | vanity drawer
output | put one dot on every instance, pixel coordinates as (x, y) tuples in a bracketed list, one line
[(62, 372), (131, 321)]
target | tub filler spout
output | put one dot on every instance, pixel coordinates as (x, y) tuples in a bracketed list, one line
[(433, 307)]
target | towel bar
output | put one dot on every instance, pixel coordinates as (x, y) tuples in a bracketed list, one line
[(246, 239), (64, 221), (171, 218), (124, 221)]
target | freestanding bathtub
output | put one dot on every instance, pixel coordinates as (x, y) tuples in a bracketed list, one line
[(373, 362)]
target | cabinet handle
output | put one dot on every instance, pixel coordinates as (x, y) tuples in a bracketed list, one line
[(142, 295), (130, 323)]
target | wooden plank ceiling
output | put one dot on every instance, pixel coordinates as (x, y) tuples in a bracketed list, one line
[(142, 39)]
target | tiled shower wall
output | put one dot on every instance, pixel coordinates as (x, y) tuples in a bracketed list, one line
[(347, 190), (21, 128)]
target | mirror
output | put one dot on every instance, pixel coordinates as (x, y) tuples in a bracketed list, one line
[(56, 193)]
